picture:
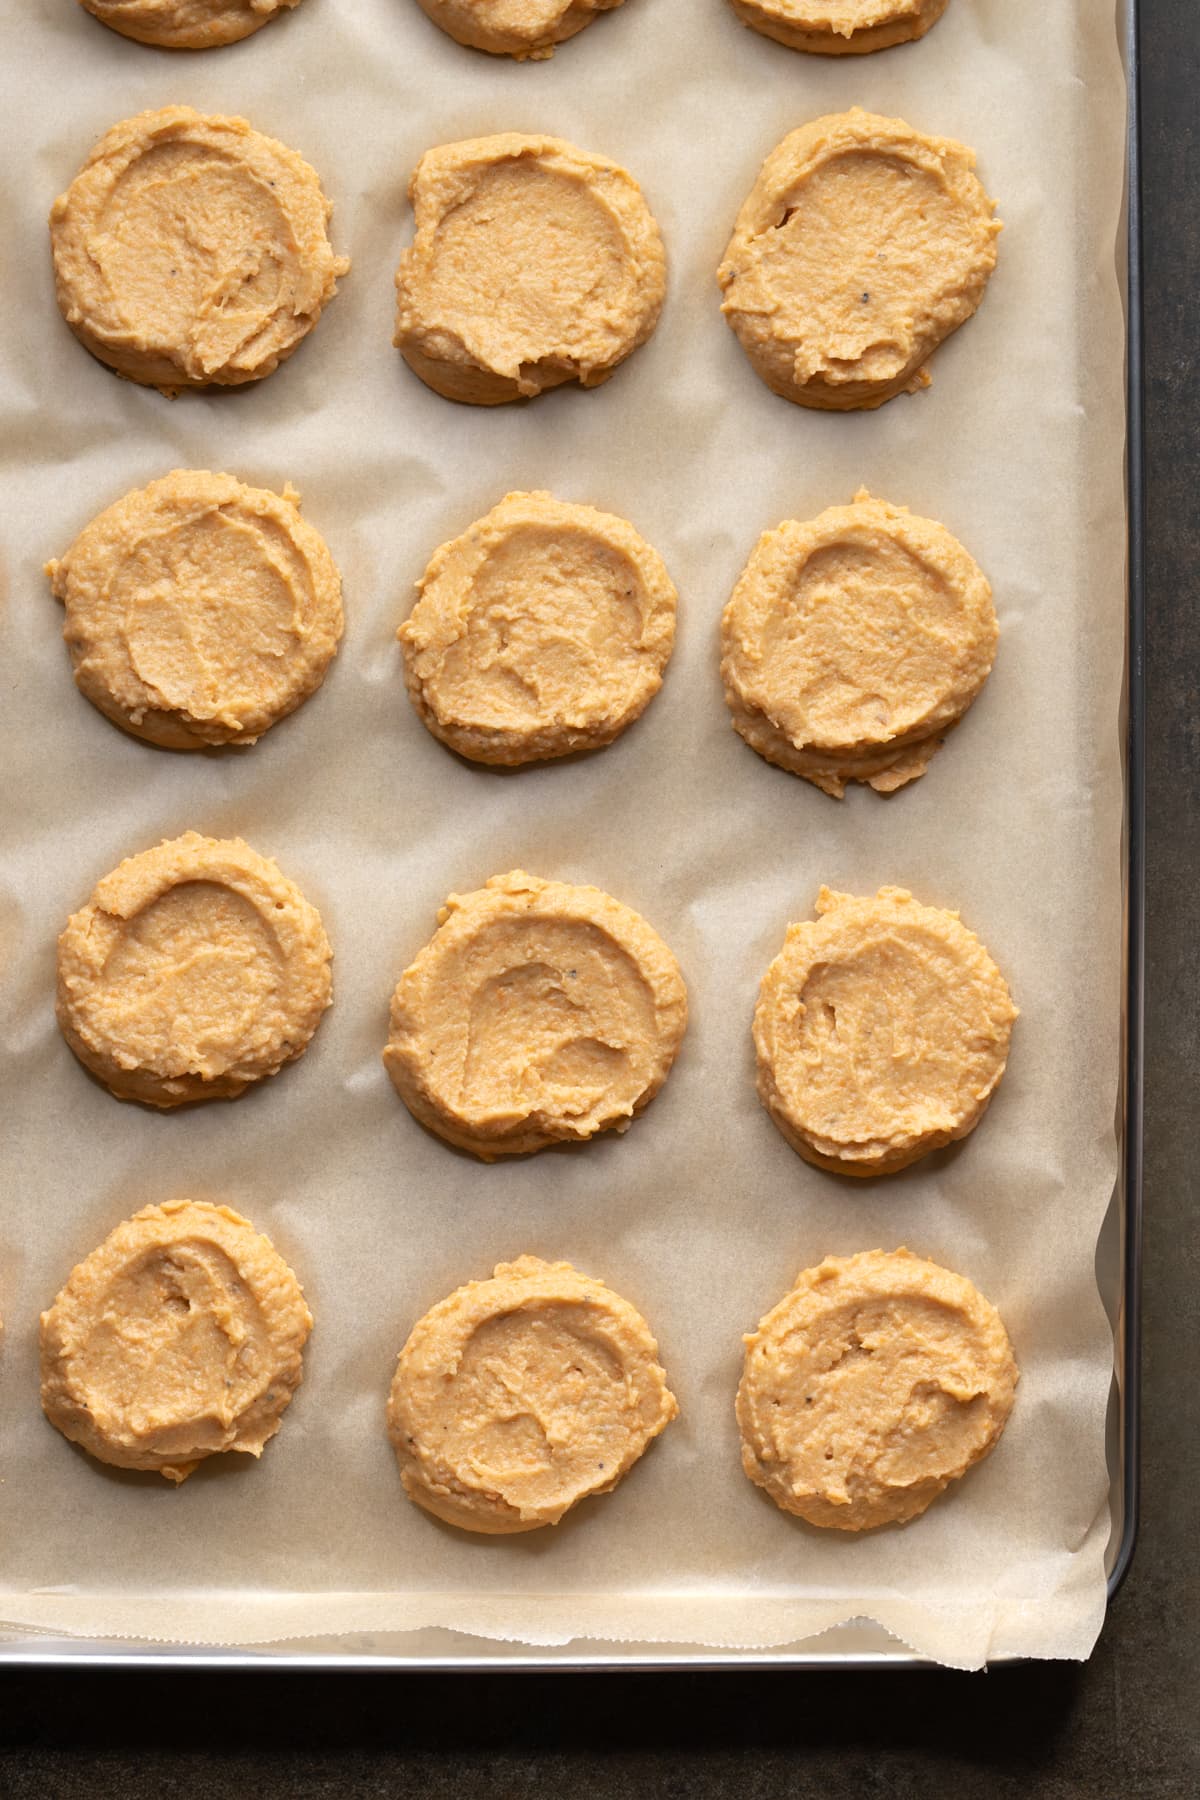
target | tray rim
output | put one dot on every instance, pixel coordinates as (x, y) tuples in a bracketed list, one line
[(592, 1658), (1128, 1324)]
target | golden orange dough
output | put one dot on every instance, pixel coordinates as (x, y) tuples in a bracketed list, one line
[(517, 1397), (525, 29), (199, 611), (882, 1031), (533, 263), (874, 1384), (853, 642), (538, 1012), (191, 251), (179, 1338), (186, 24), (840, 27), (542, 630), (862, 245), (195, 969)]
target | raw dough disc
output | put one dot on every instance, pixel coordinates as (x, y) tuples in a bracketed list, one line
[(191, 251), (537, 1012), (517, 1397), (882, 1031), (181, 1336), (195, 969), (862, 245), (186, 24), (853, 642), (199, 611), (543, 629), (533, 263), (520, 28), (840, 27), (875, 1383)]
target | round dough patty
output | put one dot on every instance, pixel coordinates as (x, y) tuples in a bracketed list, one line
[(533, 263), (191, 251), (517, 1397), (862, 245), (840, 27), (186, 24), (199, 611), (537, 1012), (543, 629), (853, 642), (882, 1031), (875, 1383), (181, 1336), (521, 28), (195, 969)]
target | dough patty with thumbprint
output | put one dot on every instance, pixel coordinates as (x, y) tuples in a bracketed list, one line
[(854, 642), (524, 29), (187, 24), (542, 630), (533, 263), (840, 27), (882, 1030), (199, 611), (192, 251), (519, 1396), (196, 969), (179, 1338), (879, 1380), (538, 1012), (862, 245)]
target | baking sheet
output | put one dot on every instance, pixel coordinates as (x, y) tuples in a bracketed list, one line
[(701, 1215)]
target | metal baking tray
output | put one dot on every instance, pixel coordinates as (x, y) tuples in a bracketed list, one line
[(859, 1644)]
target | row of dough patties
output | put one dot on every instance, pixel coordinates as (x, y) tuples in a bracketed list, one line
[(200, 611), (540, 1012), (862, 245), (532, 30), (871, 1386)]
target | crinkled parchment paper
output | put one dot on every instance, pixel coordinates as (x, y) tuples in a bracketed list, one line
[(702, 1214)]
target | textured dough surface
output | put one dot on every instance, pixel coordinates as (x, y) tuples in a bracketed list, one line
[(195, 969), (186, 24), (520, 28), (875, 1383), (180, 1337), (861, 246), (537, 1012), (853, 642), (519, 1396), (191, 251), (840, 27), (199, 611), (533, 263), (882, 1031), (542, 630)]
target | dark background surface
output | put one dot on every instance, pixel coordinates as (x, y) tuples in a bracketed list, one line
[(1127, 1723)]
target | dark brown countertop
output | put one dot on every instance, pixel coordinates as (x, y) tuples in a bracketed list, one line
[(1125, 1724)]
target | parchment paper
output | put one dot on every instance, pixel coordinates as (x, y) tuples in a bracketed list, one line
[(701, 1215)]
